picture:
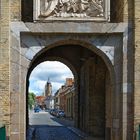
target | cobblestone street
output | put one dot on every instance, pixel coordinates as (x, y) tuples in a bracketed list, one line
[(44, 126)]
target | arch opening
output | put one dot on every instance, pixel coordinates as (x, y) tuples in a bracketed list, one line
[(93, 85), (51, 86)]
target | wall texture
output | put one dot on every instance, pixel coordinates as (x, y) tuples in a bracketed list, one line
[(137, 65), (5, 64)]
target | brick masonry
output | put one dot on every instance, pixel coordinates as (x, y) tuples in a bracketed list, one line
[(4, 65)]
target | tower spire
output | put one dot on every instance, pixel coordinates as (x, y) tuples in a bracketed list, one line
[(48, 80)]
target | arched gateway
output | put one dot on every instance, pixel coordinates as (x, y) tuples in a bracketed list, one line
[(95, 83), (96, 39), (92, 59), (96, 60)]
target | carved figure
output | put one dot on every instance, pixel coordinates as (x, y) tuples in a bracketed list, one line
[(97, 4), (84, 5)]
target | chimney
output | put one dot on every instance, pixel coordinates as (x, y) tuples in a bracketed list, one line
[(69, 81)]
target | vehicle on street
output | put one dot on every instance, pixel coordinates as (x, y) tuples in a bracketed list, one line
[(60, 113), (37, 109), (57, 113), (52, 111), (47, 110)]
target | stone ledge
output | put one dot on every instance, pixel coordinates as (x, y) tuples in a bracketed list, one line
[(68, 27), (76, 27)]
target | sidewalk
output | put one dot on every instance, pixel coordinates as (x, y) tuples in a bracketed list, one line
[(83, 135), (67, 121)]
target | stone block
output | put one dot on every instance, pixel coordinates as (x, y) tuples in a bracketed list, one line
[(14, 136)]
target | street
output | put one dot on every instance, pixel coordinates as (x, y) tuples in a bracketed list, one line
[(44, 126)]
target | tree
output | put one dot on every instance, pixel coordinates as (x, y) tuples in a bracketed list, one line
[(31, 99)]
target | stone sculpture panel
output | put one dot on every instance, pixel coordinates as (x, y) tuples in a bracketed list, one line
[(70, 9)]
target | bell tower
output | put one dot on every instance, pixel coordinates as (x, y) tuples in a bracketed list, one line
[(48, 88)]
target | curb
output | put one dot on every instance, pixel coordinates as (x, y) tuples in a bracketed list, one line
[(83, 135), (78, 132)]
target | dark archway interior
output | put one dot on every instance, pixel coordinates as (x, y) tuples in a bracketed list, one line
[(93, 105), (74, 54)]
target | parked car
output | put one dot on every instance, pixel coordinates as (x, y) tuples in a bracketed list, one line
[(60, 113), (47, 110), (37, 109), (52, 111)]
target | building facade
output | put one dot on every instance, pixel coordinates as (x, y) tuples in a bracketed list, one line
[(98, 40), (70, 102), (65, 97), (57, 100), (40, 101)]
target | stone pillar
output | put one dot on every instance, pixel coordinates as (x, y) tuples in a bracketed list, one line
[(108, 105), (128, 69), (23, 97), (18, 71), (137, 67), (15, 91)]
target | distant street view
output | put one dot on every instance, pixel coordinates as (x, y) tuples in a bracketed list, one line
[(51, 117)]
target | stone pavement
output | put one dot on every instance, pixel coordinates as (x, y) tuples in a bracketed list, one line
[(54, 133), (43, 126)]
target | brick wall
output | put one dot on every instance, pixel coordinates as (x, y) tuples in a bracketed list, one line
[(93, 97), (4, 64), (15, 7)]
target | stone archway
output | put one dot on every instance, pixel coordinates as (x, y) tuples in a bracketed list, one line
[(36, 48), (82, 60)]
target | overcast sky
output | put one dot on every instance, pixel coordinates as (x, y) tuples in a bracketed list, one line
[(57, 73)]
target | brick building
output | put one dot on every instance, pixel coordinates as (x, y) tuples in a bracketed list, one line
[(40, 101), (64, 98), (70, 102)]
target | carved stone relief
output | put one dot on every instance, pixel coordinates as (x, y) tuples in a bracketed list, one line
[(70, 9)]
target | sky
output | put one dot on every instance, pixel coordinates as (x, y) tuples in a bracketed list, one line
[(57, 73)]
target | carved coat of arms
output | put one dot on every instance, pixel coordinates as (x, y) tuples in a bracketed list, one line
[(71, 8)]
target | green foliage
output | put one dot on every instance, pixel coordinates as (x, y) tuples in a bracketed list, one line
[(31, 100)]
